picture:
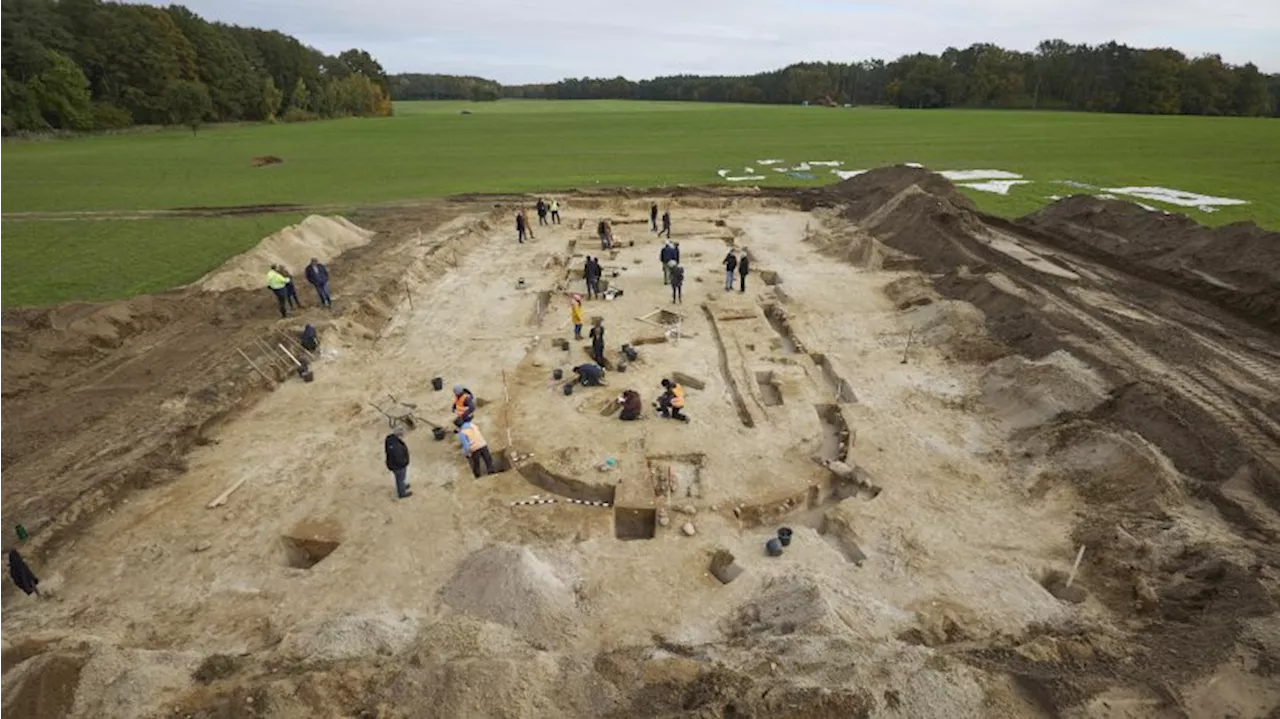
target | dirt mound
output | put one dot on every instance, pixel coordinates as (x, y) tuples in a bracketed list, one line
[(321, 237), (350, 637), (96, 680), (1106, 466), (1237, 265), (511, 586), (1026, 393)]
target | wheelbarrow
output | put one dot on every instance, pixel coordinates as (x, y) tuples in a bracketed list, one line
[(403, 414)]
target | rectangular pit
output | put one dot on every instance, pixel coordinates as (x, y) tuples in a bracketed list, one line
[(634, 523), (837, 384), (770, 392), (681, 473)]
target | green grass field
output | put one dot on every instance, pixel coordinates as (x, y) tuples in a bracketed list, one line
[(430, 149)]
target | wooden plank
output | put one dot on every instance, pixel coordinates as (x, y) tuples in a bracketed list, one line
[(222, 498)]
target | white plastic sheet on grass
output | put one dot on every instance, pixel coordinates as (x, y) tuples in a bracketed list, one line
[(971, 175), (768, 162), (745, 178), (1182, 198), (722, 172), (846, 174), (826, 163), (913, 164), (999, 187)]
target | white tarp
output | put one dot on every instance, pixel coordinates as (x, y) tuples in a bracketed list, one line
[(1206, 203), (1000, 187), (971, 175)]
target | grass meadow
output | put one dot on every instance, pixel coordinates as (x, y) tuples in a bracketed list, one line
[(432, 149)]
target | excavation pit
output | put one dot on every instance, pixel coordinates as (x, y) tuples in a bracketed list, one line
[(639, 523), (677, 476), (837, 384), (770, 392), (306, 552)]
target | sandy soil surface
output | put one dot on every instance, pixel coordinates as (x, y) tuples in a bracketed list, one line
[(986, 402)]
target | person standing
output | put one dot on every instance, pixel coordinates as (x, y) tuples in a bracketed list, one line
[(291, 290), (606, 234), (666, 224), (279, 286), (22, 575), (542, 211), (555, 211), (475, 448), (592, 274), (744, 266), (398, 461), (677, 283), (730, 264), (318, 275), (575, 314), (667, 255), (521, 229), (524, 217), (653, 217), (597, 341)]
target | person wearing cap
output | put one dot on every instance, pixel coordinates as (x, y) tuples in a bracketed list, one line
[(475, 448), (318, 275), (279, 286), (398, 461), (575, 316), (464, 405), (677, 282), (668, 256)]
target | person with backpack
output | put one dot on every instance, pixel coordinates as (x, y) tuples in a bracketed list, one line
[(398, 461), (677, 283), (318, 275)]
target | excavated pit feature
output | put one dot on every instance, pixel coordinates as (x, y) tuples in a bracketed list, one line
[(539, 476), (838, 385)]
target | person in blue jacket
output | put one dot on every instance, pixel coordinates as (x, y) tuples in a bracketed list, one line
[(318, 275), (670, 256)]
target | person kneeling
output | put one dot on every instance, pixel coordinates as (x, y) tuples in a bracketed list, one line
[(474, 448), (671, 403), (631, 406), (590, 375)]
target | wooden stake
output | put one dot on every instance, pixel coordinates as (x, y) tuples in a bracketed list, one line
[(910, 335), (1075, 567), (222, 498), (255, 367), (408, 294)]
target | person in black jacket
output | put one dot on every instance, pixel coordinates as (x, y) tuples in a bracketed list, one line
[(667, 255), (744, 266), (653, 217), (677, 283), (666, 225), (520, 227), (730, 265), (589, 375), (22, 575), (592, 273), (542, 212), (398, 461), (597, 341)]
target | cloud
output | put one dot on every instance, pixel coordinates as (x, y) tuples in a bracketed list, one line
[(518, 41)]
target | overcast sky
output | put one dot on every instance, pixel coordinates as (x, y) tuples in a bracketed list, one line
[(518, 41)]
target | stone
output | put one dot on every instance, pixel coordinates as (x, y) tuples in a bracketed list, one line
[(202, 546), (663, 519), (688, 509), (688, 529)]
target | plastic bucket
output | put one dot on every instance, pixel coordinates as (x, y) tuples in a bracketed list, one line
[(773, 547), (437, 383), (784, 536), (438, 433), (568, 388), (557, 373)]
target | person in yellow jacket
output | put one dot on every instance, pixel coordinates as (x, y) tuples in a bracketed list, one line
[(575, 315), (671, 403), (279, 286), (555, 211), (475, 448)]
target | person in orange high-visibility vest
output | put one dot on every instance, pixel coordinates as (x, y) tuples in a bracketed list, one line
[(671, 403), (475, 448), (464, 405)]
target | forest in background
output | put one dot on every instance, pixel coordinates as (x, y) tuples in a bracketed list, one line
[(1058, 76), (92, 65)]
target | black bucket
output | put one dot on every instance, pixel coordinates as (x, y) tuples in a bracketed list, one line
[(784, 536), (773, 547), (557, 373), (437, 383), (438, 433), (568, 388)]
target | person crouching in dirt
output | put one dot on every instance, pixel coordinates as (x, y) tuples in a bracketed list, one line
[(318, 275), (592, 274), (290, 289), (555, 211), (677, 283), (542, 212), (590, 375), (575, 315), (631, 406), (671, 403), (464, 405), (475, 448), (398, 461), (597, 341), (521, 227), (279, 286)]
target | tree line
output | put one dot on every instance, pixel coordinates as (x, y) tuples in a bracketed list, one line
[(1058, 75), (93, 65)]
